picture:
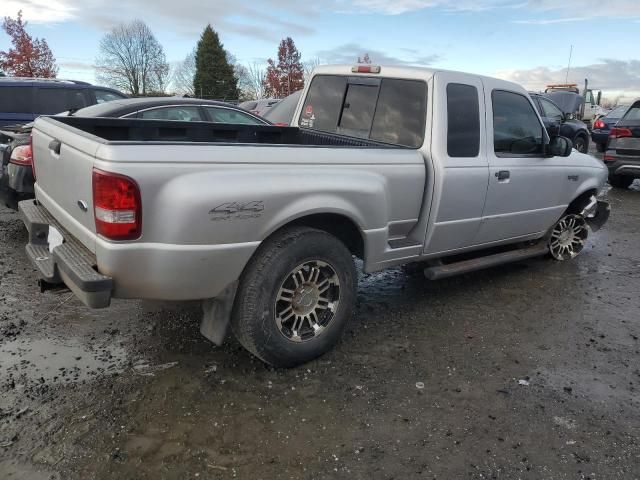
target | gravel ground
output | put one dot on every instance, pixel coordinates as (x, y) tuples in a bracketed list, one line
[(530, 370)]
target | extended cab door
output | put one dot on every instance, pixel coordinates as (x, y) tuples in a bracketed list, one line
[(460, 162), (524, 194)]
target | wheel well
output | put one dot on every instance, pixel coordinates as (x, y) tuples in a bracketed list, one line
[(581, 201), (337, 225)]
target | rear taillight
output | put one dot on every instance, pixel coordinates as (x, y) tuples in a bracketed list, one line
[(22, 155), (609, 158), (620, 132), (599, 124), (116, 206), (280, 124)]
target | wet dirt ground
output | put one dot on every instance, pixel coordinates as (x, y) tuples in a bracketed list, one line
[(529, 371)]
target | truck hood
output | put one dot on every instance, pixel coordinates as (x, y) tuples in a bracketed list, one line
[(568, 102)]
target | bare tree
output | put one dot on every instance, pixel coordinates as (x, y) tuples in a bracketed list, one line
[(182, 78), (132, 59), (309, 66), (251, 80)]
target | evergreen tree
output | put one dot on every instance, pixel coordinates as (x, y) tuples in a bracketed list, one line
[(214, 78)]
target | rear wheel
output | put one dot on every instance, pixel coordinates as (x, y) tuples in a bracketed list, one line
[(581, 143), (568, 237), (620, 181), (295, 297)]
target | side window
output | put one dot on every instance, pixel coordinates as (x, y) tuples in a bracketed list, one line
[(516, 128), (463, 121), (322, 107), (550, 110), (226, 115), (179, 113), (57, 100), (103, 96), (16, 99)]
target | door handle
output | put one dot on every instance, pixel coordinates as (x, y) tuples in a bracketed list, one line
[(55, 145), (503, 175)]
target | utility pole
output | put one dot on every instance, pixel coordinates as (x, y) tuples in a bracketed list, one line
[(566, 78)]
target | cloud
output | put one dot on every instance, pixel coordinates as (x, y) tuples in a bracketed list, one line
[(609, 76), (349, 53), (260, 20)]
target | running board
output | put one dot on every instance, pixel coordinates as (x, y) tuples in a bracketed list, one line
[(465, 266)]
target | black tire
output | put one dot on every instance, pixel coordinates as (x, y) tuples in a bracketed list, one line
[(620, 181), (601, 147), (253, 319), (581, 143)]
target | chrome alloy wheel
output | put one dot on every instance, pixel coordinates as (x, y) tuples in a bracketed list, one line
[(568, 237), (307, 301)]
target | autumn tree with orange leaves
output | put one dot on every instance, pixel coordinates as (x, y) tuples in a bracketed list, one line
[(29, 57), (286, 76)]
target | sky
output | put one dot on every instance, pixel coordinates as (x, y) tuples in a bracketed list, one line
[(527, 41)]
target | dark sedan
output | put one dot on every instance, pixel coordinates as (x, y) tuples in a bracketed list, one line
[(622, 156), (558, 122), (16, 175), (602, 127)]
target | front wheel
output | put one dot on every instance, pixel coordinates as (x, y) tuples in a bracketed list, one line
[(581, 144), (295, 297), (568, 237)]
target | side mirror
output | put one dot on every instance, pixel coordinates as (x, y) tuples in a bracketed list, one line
[(559, 147)]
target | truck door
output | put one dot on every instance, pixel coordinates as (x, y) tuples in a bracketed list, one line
[(460, 162), (524, 194)]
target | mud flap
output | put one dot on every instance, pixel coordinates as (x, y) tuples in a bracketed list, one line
[(216, 314), (598, 216)]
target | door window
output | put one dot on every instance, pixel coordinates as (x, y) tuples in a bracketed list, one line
[(226, 115), (549, 110), (516, 127), (178, 113), (463, 121)]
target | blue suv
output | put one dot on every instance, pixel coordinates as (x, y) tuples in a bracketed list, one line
[(24, 99)]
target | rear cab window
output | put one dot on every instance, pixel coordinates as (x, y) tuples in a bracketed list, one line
[(463, 121), (386, 110)]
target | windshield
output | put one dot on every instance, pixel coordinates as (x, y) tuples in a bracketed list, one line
[(283, 111), (618, 112)]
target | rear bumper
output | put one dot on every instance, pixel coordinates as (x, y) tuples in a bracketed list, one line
[(623, 164), (69, 263), (600, 137)]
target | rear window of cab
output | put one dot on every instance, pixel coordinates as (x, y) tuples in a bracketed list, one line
[(385, 110)]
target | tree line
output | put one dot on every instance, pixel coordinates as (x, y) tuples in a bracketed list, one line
[(131, 59)]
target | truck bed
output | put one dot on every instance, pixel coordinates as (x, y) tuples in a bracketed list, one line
[(110, 130)]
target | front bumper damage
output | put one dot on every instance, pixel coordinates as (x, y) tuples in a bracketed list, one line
[(596, 212)]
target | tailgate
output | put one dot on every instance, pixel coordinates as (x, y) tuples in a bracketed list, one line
[(63, 159)]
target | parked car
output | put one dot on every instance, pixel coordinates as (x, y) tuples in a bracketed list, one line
[(558, 122), (17, 183), (602, 126), (282, 113), (262, 222), (259, 107), (622, 157), (24, 99)]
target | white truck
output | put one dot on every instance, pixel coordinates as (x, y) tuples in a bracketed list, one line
[(391, 165)]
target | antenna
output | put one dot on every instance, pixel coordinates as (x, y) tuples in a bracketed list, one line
[(566, 78)]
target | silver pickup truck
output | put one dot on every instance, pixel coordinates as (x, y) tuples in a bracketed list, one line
[(262, 223)]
